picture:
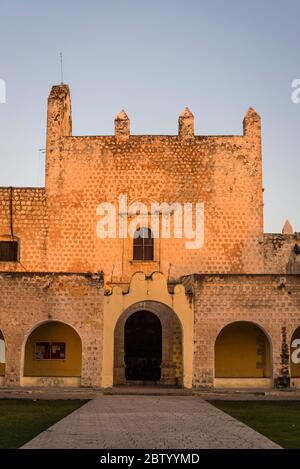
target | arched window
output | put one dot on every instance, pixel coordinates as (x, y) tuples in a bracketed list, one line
[(143, 245)]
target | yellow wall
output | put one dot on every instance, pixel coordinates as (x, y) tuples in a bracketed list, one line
[(54, 332), (295, 367), (243, 383), (148, 289), (242, 351)]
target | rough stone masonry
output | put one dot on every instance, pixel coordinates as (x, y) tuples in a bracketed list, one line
[(222, 308)]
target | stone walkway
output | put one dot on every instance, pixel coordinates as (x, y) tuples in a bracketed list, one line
[(149, 422)]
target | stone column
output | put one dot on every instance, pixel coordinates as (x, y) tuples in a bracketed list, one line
[(122, 126), (186, 124), (119, 354), (13, 371), (168, 367)]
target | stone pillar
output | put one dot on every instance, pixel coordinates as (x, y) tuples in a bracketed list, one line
[(13, 371), (119, 354), (59, 120), (91, 360), (59, 124), (281, 358), (168, 373), (186, 124), (168, 367), (122, 126), (252, 125)]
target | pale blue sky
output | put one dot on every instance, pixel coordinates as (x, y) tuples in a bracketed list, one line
[(152, 58)]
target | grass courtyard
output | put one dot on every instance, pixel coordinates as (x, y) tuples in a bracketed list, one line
[(23, 419), (278, 420)]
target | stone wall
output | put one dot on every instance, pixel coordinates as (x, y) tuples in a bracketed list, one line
[(222, 172), (23, 214), (28, 300), (270, 301), (245, 275), (57, 226), (281, 254)]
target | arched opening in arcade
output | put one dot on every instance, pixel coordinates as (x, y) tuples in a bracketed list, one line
[(242, 356), (53, 356)]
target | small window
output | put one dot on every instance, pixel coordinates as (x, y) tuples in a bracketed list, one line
[(50, 351), (8, 251), (143, 245)]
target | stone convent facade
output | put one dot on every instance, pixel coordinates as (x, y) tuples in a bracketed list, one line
[(78, 309)]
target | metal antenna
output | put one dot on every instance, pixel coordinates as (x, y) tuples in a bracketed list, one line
[(61, 69)]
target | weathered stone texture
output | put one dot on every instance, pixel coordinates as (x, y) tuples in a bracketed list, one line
[(28, 300), (246, 275), (222, 172), (28, 221), (281, 253), (270, 301)]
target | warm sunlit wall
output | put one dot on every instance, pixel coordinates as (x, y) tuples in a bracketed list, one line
[(242, 351), (54, 332)]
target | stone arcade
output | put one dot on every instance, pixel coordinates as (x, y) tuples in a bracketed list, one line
[(77, 310)]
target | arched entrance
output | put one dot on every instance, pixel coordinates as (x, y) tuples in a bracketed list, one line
[(143, 347), (242, 356), (295, 358), (2, 359), (52, 356), (148, 346)]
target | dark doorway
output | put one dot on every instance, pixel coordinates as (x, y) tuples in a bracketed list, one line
[(143, 347)]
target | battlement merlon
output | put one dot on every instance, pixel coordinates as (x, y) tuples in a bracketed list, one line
[(59, 118), (252, 125)]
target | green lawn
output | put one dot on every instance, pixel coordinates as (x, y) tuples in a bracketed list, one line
[(278, 420), (23, 419)]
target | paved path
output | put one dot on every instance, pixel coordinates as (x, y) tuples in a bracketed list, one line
[(149, 422)]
